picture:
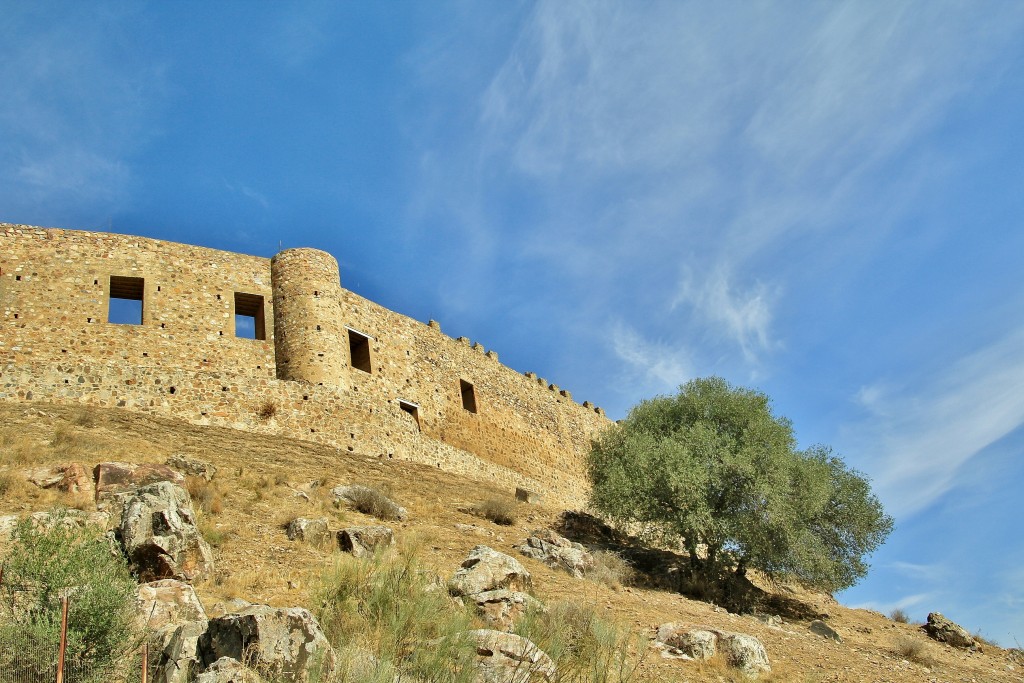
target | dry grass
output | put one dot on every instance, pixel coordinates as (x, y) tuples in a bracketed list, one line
[(267, 410), (913, 650), (611, 570), (499, 510), (899, 616), (375, 502), (206, 495)]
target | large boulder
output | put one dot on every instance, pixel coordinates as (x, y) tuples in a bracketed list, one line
[(175, 651), (114, 478), (70, 478), (502, 609), (742, 651), (227, 670), (745, 652), (820, 628), (192, 466), (508, 658), (167, 601), (160, 537), (284, 643), (486, 569), (314, 531), (945, 631), (365, 540), (556, 551), (693, 643)]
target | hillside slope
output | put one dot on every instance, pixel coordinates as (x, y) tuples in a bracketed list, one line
[(263, 482)]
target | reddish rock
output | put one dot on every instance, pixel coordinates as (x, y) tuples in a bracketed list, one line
[(120, 477)]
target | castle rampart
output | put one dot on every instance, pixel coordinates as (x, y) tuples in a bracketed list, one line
[(273, 346)]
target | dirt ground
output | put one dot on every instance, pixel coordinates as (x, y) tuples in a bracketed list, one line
[(263, 482)]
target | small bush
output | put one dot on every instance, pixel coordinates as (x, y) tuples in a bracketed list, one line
[(499, 510), (375, 502), (83, 417), (267, 410), (8, 483), (899, 616), (45, 563), (611, 570), (913, 650)]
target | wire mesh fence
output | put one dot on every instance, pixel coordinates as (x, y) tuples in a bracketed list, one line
[(40, 664)]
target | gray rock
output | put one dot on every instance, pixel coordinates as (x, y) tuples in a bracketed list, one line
[(160, 537), (286, 643), (312, 531), (365, 540), (945, 631), (176, 652), (508, 658), (192, 466), (557, 551), (486, 569), (745, 652), (502, 609), (227, 670), (819, 627), (167, 601), (113, 478)]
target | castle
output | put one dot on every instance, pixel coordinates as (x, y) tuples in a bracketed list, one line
[(273, 346)]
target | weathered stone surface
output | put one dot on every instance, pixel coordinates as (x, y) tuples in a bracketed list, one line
[(113, 478), (355, 495), (693, 643), (501, 609), (822, 629), (555, 550), (285, 642), (508, 658), (192, 466), (227, 670), (527, 496), (745, 652), (365, 540), (945, 631), (167, 601), (71, 478), (308, 530), (175, 648), (486, 569), (160, 537), (69, 517)]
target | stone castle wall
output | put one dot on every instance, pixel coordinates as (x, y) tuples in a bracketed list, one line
[(330, 367)]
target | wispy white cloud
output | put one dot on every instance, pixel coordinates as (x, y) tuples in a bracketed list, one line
[(659, 365), (917, 439)]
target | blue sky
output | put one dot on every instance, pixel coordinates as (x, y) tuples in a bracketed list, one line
[(820, 200)]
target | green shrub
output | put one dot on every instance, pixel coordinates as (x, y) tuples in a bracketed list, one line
[(45, 562)]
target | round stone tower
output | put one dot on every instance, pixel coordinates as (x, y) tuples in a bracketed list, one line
[(309, 338)]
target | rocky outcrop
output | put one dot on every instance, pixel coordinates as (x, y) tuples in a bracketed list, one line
[(742, 651), (160, 537), (70, 478), (820, 628), (308, 530), (557, 551), (286, 643), (486, 569), (945, 631), (365, 540), (508, 658), (192, 466), (175, 651), (502, 609), (167, 601), (114, 478), (527, 496), (227, 670)]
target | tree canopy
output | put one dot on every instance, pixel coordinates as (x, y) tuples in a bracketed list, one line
[(715, 469)]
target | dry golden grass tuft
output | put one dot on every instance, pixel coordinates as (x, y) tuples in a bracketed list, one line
[(611, 570), (205, 495), (899, 616), (914, 650), (501, 511)]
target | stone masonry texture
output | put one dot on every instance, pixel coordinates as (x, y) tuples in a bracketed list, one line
[(332, 367)]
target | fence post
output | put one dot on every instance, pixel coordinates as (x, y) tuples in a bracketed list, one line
[(63, 638), (145, 661)]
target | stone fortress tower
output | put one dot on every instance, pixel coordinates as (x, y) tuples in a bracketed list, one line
[(273, 346)]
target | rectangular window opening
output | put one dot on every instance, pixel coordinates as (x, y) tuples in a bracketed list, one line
[(468, 395), (411, 409), (359, 350), (126, 297), (250, 321)]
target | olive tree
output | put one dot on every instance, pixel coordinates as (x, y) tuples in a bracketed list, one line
[(715, 469)]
